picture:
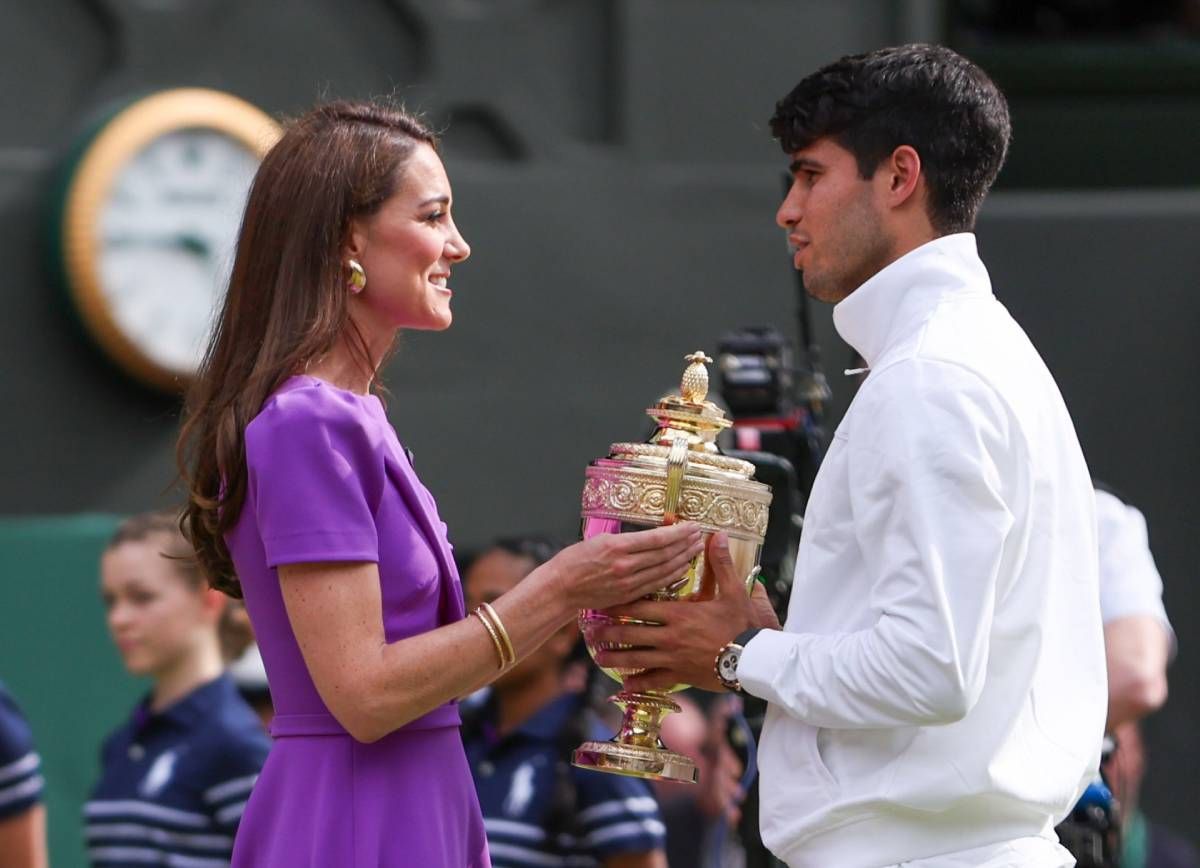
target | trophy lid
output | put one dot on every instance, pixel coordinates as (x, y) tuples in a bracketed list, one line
[(680, 472), (689, 413)]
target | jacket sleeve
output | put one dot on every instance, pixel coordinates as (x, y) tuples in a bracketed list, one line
[(931, 478)]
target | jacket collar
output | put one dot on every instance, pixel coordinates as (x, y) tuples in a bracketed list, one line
[(897, 299)]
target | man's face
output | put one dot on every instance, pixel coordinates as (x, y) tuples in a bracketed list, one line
[(834, 224)]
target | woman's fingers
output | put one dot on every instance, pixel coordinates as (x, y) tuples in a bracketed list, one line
[(663, 558), (659, 537), (658, 576)]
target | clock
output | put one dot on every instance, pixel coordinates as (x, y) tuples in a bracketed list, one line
[(146, 220)]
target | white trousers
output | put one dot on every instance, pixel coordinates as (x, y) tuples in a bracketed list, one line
[(1021, 853)]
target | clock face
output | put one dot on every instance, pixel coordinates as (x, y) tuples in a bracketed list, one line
[(150, 211), (166, 241)]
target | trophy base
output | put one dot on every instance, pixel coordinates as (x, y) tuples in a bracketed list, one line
[(651, 763)]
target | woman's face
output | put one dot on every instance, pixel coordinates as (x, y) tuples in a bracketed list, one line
[(407, 249), (154, 615)]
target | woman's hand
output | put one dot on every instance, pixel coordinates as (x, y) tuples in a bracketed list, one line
[(611, 569), (677, 643)]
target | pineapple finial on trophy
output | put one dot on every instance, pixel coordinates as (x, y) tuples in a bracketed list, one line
[(694, 386)]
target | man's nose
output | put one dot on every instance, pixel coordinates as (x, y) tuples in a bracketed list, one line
[(790, 211)]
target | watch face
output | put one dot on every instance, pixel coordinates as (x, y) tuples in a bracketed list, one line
[(166, 240), (727, 664)]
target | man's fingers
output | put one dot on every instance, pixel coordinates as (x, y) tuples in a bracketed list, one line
[(632, 658), (645, 610), (637, 635), (652, 679), (728, 582)]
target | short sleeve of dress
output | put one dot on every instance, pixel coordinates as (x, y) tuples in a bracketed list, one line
[(314, 463)]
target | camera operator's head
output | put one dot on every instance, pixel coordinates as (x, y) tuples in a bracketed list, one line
[(888, 150)]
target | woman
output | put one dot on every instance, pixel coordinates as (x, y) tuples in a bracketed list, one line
[(175, 777), (300, 489)]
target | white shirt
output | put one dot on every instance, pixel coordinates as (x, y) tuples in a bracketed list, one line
[(939, 685), (1129, 580)]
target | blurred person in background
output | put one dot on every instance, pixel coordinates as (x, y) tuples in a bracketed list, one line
[(302, 497), (1138, 639), (700, 819), (537, 807), (1144, 843), (22, 814), (245, 663), (175, 777), (1138, 644)]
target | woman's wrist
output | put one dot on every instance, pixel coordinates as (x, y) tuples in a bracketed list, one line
[(551, 593)]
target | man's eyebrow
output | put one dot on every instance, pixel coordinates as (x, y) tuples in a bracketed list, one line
[(801, 164)]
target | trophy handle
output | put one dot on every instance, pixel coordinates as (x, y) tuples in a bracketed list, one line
[(677, 463)]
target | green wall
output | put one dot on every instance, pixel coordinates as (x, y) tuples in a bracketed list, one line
[(56, 658)]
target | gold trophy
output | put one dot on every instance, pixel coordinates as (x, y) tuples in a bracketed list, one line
[(679, 475)]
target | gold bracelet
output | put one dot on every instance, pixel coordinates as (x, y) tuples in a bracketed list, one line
[(487, 625), (499, 625)]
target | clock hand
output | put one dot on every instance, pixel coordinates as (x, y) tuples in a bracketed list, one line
[(193, 244), (187, 242)]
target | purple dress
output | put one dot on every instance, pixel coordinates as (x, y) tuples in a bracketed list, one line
[(329, 481)]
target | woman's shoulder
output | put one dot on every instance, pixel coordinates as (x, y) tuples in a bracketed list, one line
[(306, 403), (302, 398)]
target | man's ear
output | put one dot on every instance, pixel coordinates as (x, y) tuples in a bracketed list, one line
[(902, 173)]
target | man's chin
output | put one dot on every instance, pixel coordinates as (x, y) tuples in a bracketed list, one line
[(820, 289)]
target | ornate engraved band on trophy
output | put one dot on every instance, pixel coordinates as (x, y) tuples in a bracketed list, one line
[(679, 475)]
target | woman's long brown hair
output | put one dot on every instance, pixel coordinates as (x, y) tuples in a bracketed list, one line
[(287, 298)]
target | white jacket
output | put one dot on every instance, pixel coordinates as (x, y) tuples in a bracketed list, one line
[(939, 684)]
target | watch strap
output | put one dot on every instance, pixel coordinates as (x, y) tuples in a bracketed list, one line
[(744, 637)]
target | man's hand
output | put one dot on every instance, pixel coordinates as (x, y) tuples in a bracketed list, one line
[(684, 648)]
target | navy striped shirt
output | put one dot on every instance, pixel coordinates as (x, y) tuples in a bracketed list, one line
[(515, 778), (173, 784), (21, 781)]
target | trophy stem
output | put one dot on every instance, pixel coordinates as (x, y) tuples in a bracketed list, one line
[(637, 749)]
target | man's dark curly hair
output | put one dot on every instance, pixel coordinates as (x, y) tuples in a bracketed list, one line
[(924, 96)]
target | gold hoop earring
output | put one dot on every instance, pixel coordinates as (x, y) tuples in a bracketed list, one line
[(358, 277)]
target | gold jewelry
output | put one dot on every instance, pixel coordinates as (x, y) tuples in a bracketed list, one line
[(487, 625), (358, 277), (499, 625)]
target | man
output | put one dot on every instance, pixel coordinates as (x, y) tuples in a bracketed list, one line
[(537, 808), (937, 695)]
